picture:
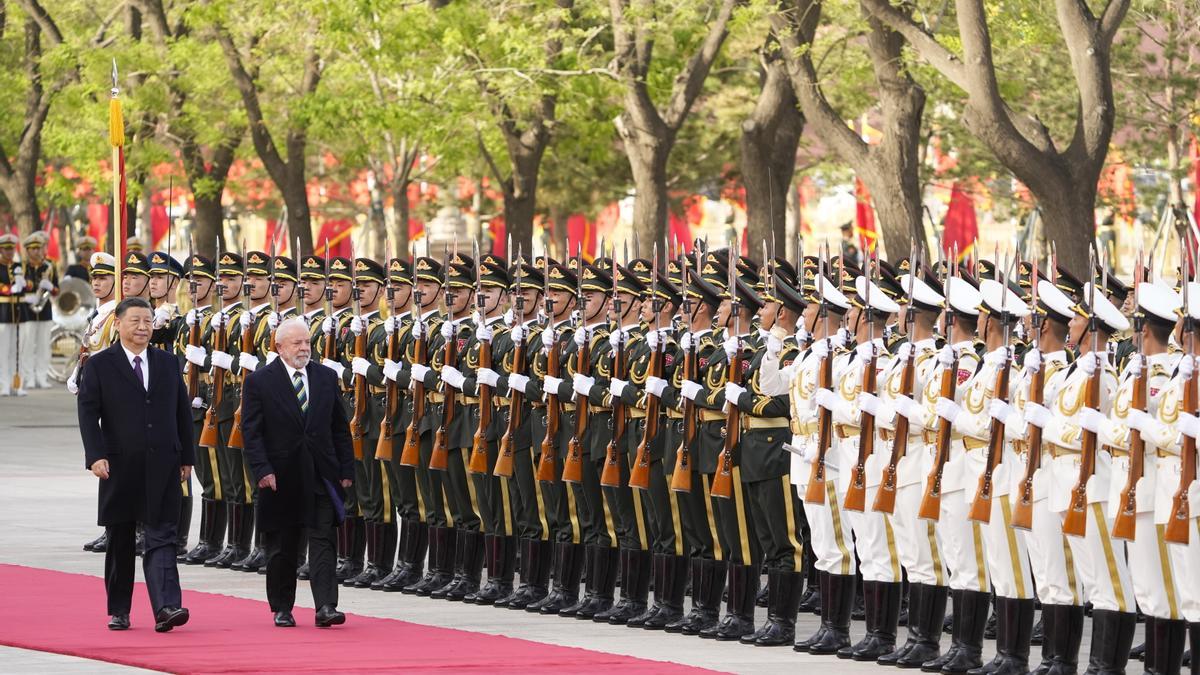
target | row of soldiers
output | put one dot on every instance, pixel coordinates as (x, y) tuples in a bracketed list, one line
[(27, 287), (962, 435)]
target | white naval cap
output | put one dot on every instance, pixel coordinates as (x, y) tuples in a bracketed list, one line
[(880, 302), (1108, 314), (1055, 301), (921, 293), (1159, 303), (1193, 303), (832, 295), (1001, 299), (964, 298)]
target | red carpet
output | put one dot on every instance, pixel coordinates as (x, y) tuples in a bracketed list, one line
[(62, 613)]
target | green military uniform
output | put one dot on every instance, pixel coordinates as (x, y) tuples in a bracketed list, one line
[(164, 337)]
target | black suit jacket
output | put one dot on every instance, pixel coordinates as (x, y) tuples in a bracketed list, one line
[(144, 435), (301, 449)]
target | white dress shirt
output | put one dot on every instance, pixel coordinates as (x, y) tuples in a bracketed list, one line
[(145, 354)]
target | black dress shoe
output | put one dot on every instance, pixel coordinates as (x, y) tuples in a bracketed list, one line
[(101, 544), (302, 572), (329, 616), (170, 617), (118, 622), (284, 620)]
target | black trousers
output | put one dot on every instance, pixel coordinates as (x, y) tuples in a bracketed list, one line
[(402, 484), (283, 549), (525, 495), (460, 491), (561, 511), (158, 565), (429, 483), (208, 469), (735, 530), (626, 509), (775, 514)]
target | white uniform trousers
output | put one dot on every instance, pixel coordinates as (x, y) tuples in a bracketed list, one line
[(1102, 565), (828, 528), (1055, 572), (916, 539), (874, 537), (8, 357), (960, 538), (1184, 558), (1006, 551), (35, 353), (1154, 584)]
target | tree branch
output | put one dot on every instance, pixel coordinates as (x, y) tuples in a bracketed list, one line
[(946, 61), (690, 81)]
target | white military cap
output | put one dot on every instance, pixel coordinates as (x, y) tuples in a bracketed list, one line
[(999, 299), (964, 298), (1159, 303), (880, 302), (832, 296), (1054, 303), (1108, 314)]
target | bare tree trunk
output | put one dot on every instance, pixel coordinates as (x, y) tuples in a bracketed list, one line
[(210, 217), (20, 189), (770, 137), (18, 176), (401, 209), (648, 157)]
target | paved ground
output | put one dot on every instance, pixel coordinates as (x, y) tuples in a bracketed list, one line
[(47, 511)]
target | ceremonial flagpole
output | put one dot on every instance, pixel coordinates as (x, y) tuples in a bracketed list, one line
[(116, 138)]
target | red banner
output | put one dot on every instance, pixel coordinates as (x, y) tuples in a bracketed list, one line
[(864, 218), (960, 228), (581, 231), (334, 236)]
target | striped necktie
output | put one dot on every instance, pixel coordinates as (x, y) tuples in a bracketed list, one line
[(301, 391)]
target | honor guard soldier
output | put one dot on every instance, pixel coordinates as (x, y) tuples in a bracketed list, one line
[(552, 426), (201, 285), (12, 287), (135, 276), (84, 248), (41, 285), (311, 294), (1086, 397), (165, 273)]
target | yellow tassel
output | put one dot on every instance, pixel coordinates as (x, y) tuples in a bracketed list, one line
[(116, 123)]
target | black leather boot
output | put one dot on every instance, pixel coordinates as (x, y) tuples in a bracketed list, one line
[(385, 555), (602, 580), (411, 556), (714, 574), (500, 559), (1014, 626), (534, 572), (810, 601), (370, 572), (232, 525), (590, 551), (635, 587), (490, 563), (871, 616), (970, 625), (932, 604), (569, 560), (658, 564), (207, 547), (457, 557), (1165, 640), (887, 617), (345, 533), (1112, 636), (823, 597), (739, 609), (472, 568), (915, 595), (356, 540), (183, 528), (441, 562), (782, 606), (241, 521), (303, 573), (1050, 626), (674, 583), (1068, 634), (622, 574), (956, 603), (841, 604), (257, 558), (695, 571), (102, 540)]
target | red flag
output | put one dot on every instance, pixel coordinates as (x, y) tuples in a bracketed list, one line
[(496, 230), (680, 231), (98, 215), (53, 250), (864, 218), (580, 230), (274, 233), (960, 228), (337, 234), (158, 227)]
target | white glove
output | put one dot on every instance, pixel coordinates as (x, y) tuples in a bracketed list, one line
[(866, 350), (689, 390), (1033, 360), (447, 329), (391, 324), (615, 387), (1087, 363), (1091, 419), (391, 369), (508, 317), (733, 392), (220, 319), (1001, 411), (190, 318), (903, 352), (195, 355), (947, 409), (843, 337), (551, 383), (582, 384), (222, 360), (273, 320), (1135, 365), (359, 366), (730, 345), (518, 334), (614, 339), (327, 325), (161, 315), (487, 376), (1037, 415), (869, 404), (655, 386), (946, 356), (483, 333), (1019, 331), (1188, 425), (271, 356), (247, 362), (652, 340), (452, 377), (581, 337), (906, 406), (73, 381), (820, 349), (685, 340), (518, 382), (246, 320), (18, 285), (826, 398), (197, 403), (476, 317), (357, 325), (1187, 367), (996, 357), (802, 336), (337, 368), (45, 285), (774, 345), (419, 371), (548, 337)]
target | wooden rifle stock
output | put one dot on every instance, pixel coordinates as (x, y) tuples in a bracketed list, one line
[(193, 379), (611, 475), (981, 507), (1075, 519), (410, 454), (639, 475), (504, 458), (681, 478), (1022, 517), (856, 494), (815, 493), (722, 485), (358, 421), (439, 460), (247, 347), (208, 434), (1177, 527), (1125, 522), (384, 450), (573, 464), (885, 496), (478, 463), (547, 463), (931, 502)]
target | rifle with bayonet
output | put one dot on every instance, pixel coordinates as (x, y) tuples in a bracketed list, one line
[(722, 484), (681, 478), (856, 493), (504, 457), (439, 460), (815, 493), (931, 502), (208, 433), (246, 347), (547, 462), (981, 506), (1179, 523), (639, 474), (391, 392), (1125, 522), (573, 464), (885, 496), (1075, 518), (410, 453), (610, 476), (358, 422), (478, 462), (193, 379), (1022, 516)]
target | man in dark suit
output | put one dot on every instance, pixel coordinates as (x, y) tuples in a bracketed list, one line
[(297, 445), (136, 422)]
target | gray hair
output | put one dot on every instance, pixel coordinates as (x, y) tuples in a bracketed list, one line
[(289, 325)]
